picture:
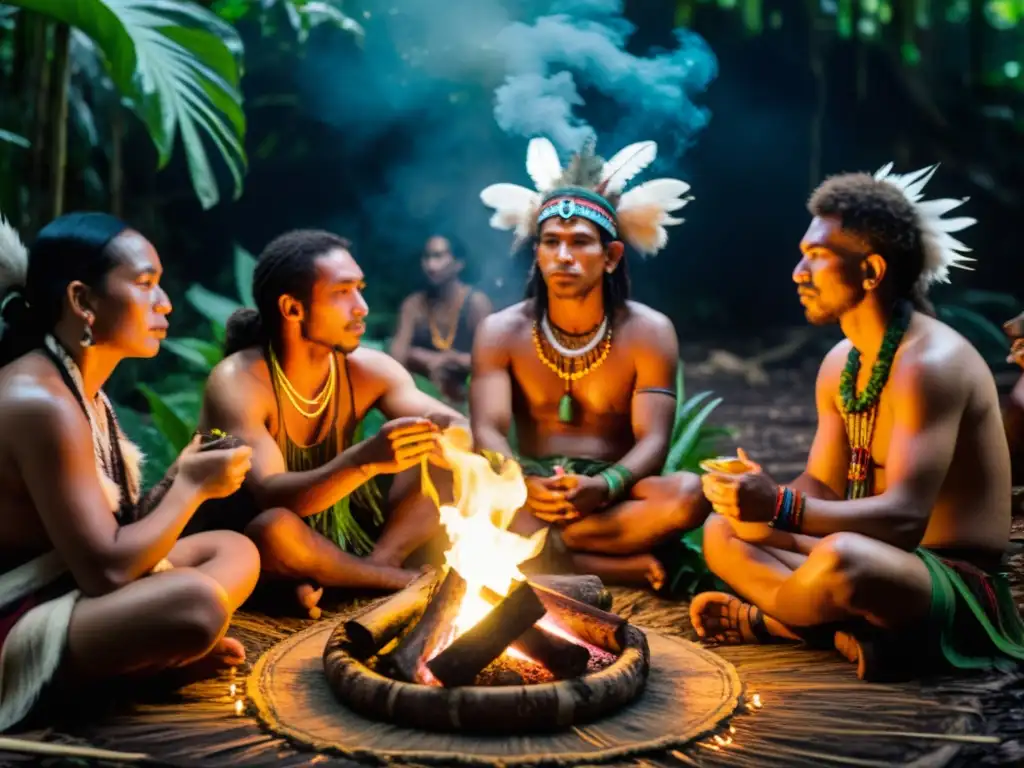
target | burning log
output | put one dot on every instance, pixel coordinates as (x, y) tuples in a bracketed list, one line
[(372, 630), (404, 661), (592, 625), (562, 658), (460, 662), (587, 589)]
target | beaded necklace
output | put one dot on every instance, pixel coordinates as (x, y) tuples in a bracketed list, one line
[(571, 357), (859, 411)]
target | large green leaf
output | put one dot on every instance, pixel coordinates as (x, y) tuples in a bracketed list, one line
[(178, 66), (13, 138), (202, 354), (214, 307), (175, 429), (245, 266)]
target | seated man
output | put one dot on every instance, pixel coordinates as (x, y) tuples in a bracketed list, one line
[(587, 377), (436, 325), (294, 385), (890, 544), (94, 583)]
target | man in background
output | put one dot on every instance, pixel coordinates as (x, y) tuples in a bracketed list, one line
[(436, 325)]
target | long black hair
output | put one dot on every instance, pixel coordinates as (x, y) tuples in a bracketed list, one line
[(286, 266), (73, 247), (614, 285)]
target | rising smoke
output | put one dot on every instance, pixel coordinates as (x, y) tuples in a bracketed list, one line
[(446, 94)]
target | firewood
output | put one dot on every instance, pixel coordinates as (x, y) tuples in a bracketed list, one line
[(592, 625), (587, 589), (460, 662), (562, 658), (403, 663), (371, 630)]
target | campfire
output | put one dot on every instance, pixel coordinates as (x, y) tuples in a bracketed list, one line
[(479, 629)]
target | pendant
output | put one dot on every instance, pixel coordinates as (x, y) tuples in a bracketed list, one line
[(565, 413)]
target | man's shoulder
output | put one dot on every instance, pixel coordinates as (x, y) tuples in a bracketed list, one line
[(936, 355), (507, 321), (640, 318), (239, 371)]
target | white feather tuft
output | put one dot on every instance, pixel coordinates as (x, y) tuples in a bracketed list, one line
[(542, 164), (625, 164), (942, 251), (512, 206), (643, 213), (13, 258)]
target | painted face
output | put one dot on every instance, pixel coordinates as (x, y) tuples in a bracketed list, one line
[(337, 311), (132, 309), (571, 257), (829, 275), (438, 262)]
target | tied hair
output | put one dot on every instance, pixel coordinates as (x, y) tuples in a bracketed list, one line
[(286, 266)]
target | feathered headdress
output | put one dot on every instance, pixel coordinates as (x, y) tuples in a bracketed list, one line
[(13, 259), (592, 188), (941, 249)]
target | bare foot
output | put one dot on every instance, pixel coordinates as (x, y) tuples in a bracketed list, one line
[(727, 620), (629, 571), (849, 649), (309, 596), (227, 653)]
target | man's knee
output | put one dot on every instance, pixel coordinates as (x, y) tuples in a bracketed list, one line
[(275, 534), (682, 495), (197, 609), (718, 536), (841, 562)]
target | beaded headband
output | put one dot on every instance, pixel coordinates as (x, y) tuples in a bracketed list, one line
[(593, 189)]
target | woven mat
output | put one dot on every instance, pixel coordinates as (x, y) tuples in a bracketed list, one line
[(814, 713), (689, 692)]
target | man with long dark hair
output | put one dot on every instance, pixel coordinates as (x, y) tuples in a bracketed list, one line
[(295, 385), (890, 545), (586, 376)]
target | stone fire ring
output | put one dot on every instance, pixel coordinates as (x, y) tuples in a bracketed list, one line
[(488, 709), (689, 692)]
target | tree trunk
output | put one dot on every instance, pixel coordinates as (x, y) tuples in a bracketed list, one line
[(39, 88), (817, 65), (59, 118), (117, 162)]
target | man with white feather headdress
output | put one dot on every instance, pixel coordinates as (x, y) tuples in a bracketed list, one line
[(587, 376), (890, 545)]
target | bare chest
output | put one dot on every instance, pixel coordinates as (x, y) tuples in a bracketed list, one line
[(601, 391)]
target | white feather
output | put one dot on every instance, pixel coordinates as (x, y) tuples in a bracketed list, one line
[(625, 164), (542, 164), (13, 258), (512, 204), (665, 193), (941, 250)]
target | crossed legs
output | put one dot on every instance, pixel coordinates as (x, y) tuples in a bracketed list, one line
[(797, 582), (616, 544), (177, 618)]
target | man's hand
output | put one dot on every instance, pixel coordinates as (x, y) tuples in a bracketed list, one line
[(400, 444), (748, 498), (586, 494), (545, 498)]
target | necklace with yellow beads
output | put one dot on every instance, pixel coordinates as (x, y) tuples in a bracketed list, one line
[(308, 407), (567, 360)]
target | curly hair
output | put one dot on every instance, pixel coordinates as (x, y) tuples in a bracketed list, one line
[(882, 215)]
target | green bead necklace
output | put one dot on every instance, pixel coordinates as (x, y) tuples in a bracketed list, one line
[(859, 411)]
